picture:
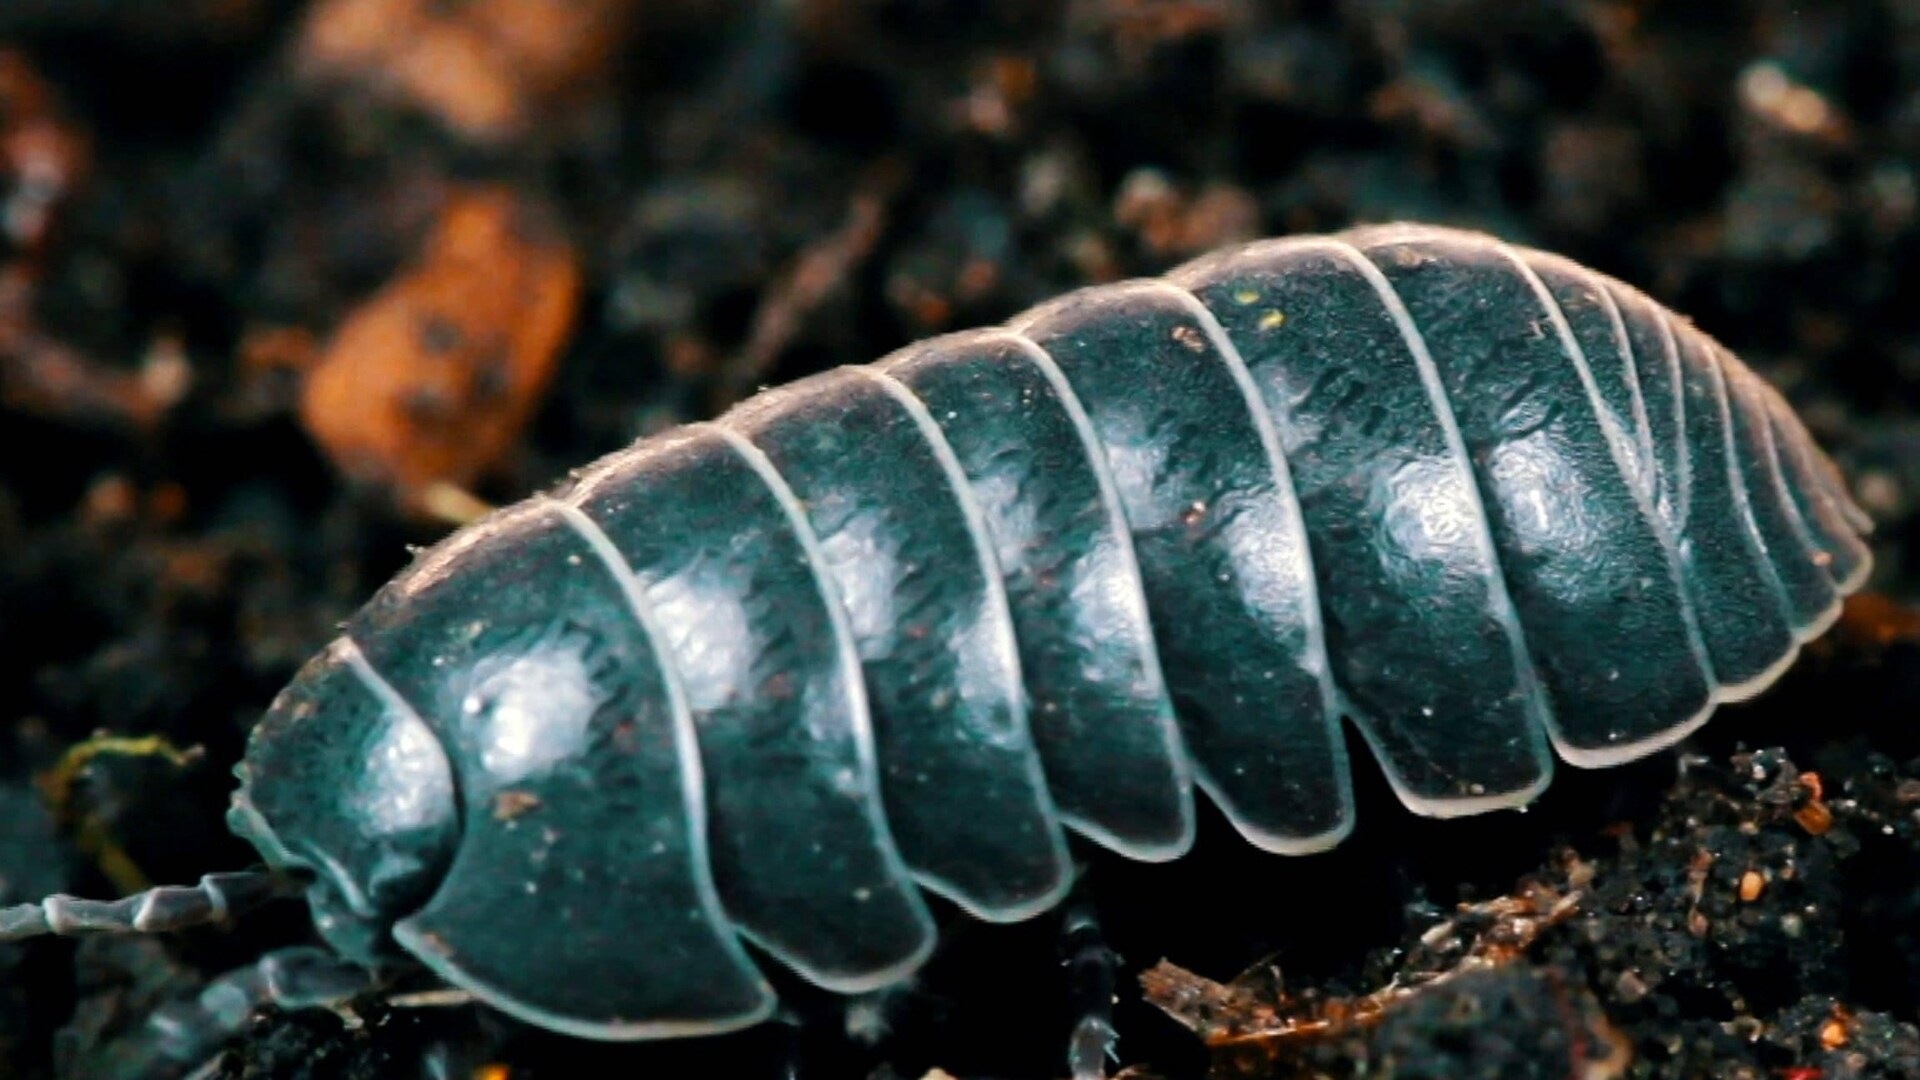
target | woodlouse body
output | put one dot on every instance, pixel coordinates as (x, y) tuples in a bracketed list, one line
[(899, 627)]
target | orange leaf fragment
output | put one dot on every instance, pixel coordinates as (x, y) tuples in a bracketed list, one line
[(433, 378)]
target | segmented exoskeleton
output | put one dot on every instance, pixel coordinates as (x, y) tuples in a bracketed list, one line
[(900, 628)]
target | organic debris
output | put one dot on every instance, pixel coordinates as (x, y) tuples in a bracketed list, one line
[(489, 70), (1452, 975), (1738, 896), (431, 381)]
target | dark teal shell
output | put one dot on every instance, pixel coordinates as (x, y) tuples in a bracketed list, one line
[(897, 628)]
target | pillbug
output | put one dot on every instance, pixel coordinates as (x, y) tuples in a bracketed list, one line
[(898, 629)]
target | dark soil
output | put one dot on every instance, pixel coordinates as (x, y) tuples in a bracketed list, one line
[(199, 199)]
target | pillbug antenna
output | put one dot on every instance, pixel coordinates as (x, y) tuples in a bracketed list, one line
[(165, 908), (216, 898)]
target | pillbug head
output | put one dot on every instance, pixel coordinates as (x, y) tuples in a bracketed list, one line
[(343, 781)]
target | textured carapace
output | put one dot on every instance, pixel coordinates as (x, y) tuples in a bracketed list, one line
[(900, 627)]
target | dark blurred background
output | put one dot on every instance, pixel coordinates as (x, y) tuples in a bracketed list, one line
[(289, 285)]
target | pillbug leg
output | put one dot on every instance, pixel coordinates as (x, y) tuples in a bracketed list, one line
[(792, 1057), (868, 1018), (189, 1032), (792, 1063), (1092, 971), (216, 898)]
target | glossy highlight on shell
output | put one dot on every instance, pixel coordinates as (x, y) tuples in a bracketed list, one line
[(901, 628)]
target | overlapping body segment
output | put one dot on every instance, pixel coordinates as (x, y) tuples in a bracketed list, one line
[(802, 856), (1806, 589), (1224, 560), (540, 673), (897, 629), (1749, 638), (1421, 633), (1097, 701), (911, 565)]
